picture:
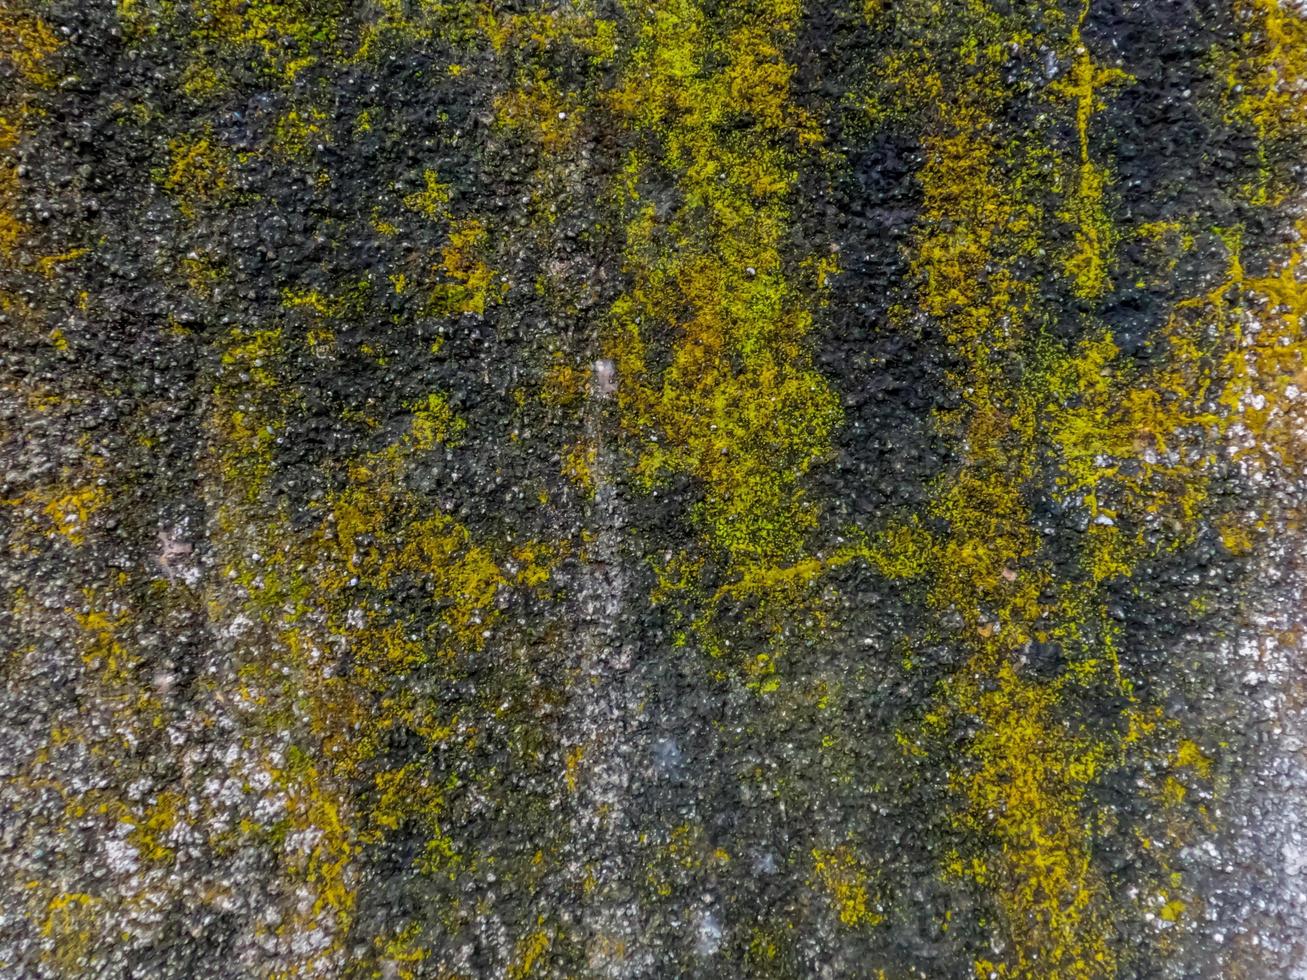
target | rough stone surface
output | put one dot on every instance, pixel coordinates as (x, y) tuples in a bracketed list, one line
[(653, 488)]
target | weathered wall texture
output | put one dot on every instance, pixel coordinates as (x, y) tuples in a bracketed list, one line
[(653, 488)]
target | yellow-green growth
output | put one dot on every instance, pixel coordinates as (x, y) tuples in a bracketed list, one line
[(431, 200), (401, 954), (580, 463), (848, 884), (198, 173), (538, 106), (72, 929), (434, 423), (467, 282), (1265, 70), (1023, 779), (739, 405), (28, 43), (12, 230), (249, 402), (70, 512), (281, 37), (299, 131), (1089, 261), (1027, 787), (346, 580), (530, 951)]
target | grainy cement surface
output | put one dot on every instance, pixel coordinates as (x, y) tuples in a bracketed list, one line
[(653, 488)]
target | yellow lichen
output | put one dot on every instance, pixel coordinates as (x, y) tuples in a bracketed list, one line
[(1265, 72), (1027, 788), (434, 423), (579, 464), (71, 927), (70, 512), (28, 44), (249, 403), (431, 200), (468, 284), (150, 832), (1189, 756), (564, 384), (1025, 774), (400, 954), (530, 950), (48, 265), (300, 131), (283, 38), (847, 882), (198, 173), (1087, 263), (538, 106), (738, 405), (12, 229)]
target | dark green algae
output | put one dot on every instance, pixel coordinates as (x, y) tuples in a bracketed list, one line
[(320, 511)]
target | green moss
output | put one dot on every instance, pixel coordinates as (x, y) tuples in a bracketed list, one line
[(198, 174), (12, 230), (679, 858), (299, 131), (281, 37), (846, 881), (345, 581), (400, 954), (432, 199), (29, 45), (530, 951), (467, 282), (1088, 261), (1264, 73), (348, 301), (249, 402), (72, 928), (714, 335), (1027, 788), (738, 405), (405, 797), (68, 510), (538, 106), (151, 830), (434, 423), (1023, 783), (314, 804), (580, 463), (564, 385)]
